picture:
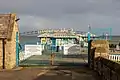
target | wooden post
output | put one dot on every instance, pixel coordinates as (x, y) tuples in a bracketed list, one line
[(52, 56)]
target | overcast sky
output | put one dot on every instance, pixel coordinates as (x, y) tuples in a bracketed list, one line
[(77, 14)]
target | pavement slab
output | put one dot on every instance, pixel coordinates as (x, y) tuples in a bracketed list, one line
[(36, 73)]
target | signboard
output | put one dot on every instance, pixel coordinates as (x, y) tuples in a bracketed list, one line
[(43, 40), (32, 50), (58, 42)]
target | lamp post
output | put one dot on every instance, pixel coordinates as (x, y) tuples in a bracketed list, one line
[(89, 29), (106, 36), (89, 44)]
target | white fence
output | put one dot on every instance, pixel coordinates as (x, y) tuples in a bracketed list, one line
[(66, 47), (22, 56), (29, 51), (37, 50), (114, 57)]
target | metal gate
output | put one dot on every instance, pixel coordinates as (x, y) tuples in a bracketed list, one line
[(51, 56), (100, 34)]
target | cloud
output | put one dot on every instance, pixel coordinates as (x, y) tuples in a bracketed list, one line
[(34, 22), (38, 14)]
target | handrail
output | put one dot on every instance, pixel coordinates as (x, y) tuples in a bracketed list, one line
[(114, 57)]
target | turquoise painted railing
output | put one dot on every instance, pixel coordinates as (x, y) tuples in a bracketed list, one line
[(17, 50)]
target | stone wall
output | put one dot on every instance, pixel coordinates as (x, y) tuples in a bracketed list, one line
[(107, 69), (10, 49), (101, 48), (98, 48), (1, 54)]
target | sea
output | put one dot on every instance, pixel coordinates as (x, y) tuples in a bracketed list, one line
[(29, 39)]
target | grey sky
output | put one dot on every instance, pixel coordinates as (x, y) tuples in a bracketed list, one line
[(77, 14)]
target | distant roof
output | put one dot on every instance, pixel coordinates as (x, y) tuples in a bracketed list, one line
[(58, 35), (6, 25)]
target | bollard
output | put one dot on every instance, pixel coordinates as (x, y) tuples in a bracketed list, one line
[(52, 56)]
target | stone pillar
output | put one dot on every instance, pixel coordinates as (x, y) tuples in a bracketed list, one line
[(99, 48), (102, 48)]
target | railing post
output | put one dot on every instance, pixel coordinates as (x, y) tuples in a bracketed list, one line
[(89, 46), (89, 53), (17, 50)]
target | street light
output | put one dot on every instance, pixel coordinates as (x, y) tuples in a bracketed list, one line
[(106, 36), (89, 28), (89, 44)]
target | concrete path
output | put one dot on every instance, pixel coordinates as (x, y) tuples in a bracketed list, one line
[(76, 55), (79, 73), (67, 60)]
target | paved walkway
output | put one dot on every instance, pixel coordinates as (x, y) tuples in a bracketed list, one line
[(79, 72), (76, 55), (34, 73), (59, 60)]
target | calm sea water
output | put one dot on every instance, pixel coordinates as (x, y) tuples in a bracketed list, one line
[(28, 39)]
